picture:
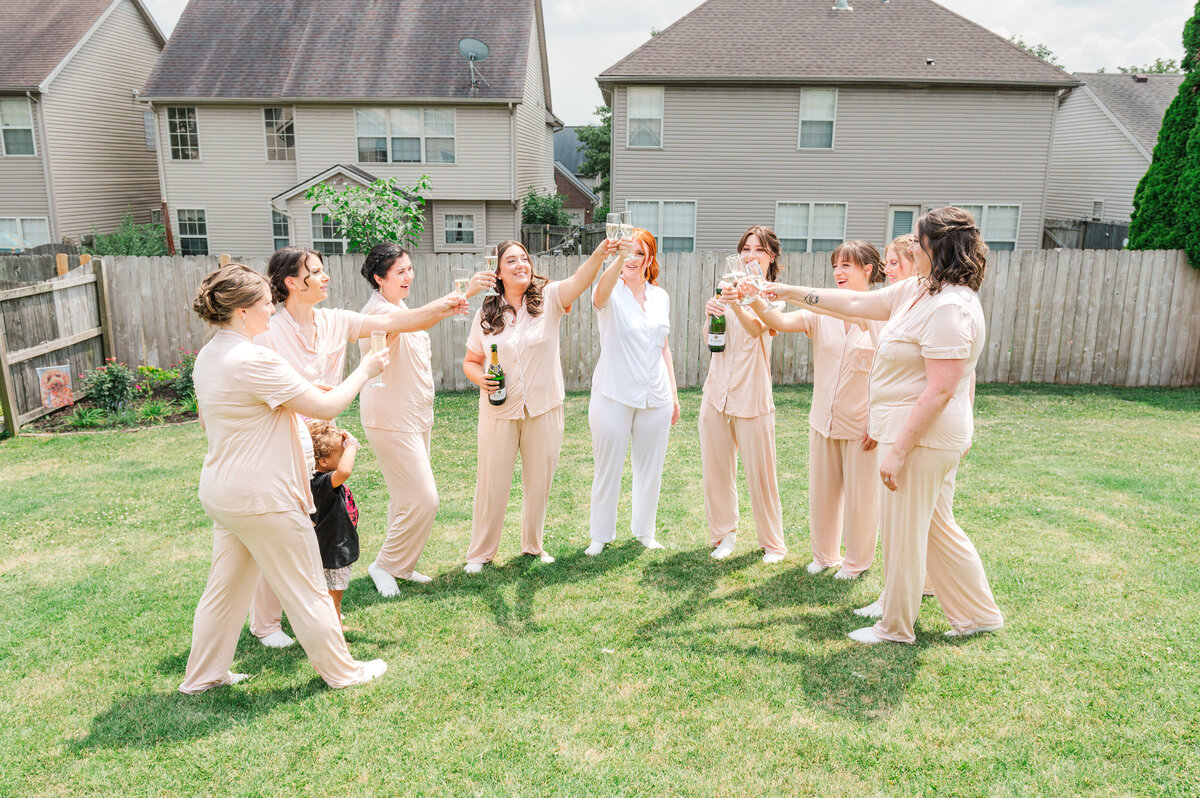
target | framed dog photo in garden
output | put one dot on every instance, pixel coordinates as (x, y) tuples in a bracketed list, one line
[(55, 385)]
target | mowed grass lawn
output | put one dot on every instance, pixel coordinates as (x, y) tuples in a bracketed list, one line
[(635, 672)]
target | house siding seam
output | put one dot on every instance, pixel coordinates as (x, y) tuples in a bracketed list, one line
[(94, 129), (23, 177), (892, 146), (1093, 159)]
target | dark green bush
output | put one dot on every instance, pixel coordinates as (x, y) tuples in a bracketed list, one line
[(130, 238), (546, 209), (111, 386)]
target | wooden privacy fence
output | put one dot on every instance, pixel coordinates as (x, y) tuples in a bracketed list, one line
[(1057, 316), (61, 321)]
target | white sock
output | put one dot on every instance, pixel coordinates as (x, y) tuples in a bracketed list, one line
[(370, 672), (234, 678), (594, 549), (725, 548), (385, 583), (650, 543), (815, 568), (417, 577), (995, 627), (545, 557), (872, 610), (473, 567), (865, 635), (844, 574), (277, 639), (770, 558)]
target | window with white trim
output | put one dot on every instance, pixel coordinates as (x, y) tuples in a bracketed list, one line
[(148, 130), (460, 228), (16, 127), (999, 224), (672, 223), (183, 134), (644, 112), (281, 134), (818, 111), (328, 237), (24, 232), (281, 229), (1097, 209), (156, 216), (193, 231), (405, 135), (810, 226)]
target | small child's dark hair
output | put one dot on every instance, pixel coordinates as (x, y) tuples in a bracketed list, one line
[(325, 437)]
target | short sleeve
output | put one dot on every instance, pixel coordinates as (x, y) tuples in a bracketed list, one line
[(551, 296), (270, 379), (886, 299), (475, 337), (349, 323), (321, 485), (948, 334), (807, 321)]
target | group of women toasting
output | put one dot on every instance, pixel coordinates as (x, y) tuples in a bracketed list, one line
[(891, 416)]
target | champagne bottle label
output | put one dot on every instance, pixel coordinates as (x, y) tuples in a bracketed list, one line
[(715, 340)]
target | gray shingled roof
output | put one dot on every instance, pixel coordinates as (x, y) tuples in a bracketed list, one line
[(36, 35), (1137, 106), (772, 40), (348, 49)]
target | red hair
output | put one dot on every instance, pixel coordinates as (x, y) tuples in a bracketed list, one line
[(651, 248)]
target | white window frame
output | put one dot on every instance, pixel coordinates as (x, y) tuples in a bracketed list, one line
[(4, 149), (268, 134), (422, 134), (343, 241), (891, 219), (170, 135), (809, 237), (156, 216), (656, 229), (1097, 209), (150, 130), (981, 221), (182, 235), (463, 229), (20, 222), (662, 101), (802, 119), (287, 227)]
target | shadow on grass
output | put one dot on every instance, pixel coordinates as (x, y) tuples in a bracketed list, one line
[(1174, 399), (527, 573)]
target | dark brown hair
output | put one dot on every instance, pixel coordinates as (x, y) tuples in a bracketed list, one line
[(770, 241), (227, 289), (860, 253), (957, 254), (379, 261), (325, 438), (491, 315), (286, 263)]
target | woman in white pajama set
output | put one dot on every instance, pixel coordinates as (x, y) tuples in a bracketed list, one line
[(633, 392)]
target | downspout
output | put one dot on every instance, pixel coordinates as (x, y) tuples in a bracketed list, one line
[(512, 137), (51, 207), (162, 181)]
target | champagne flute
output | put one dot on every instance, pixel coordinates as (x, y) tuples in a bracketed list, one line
[(753, 275), (491, 263), (378, 344), (612, 226), (462, 281), (626, 225), (734, 272)]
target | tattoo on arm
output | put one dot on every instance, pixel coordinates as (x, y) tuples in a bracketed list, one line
[(812, 298)]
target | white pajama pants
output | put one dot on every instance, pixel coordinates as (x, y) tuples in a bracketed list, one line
[(613, 426)]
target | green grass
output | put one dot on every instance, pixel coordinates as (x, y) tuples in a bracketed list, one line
[(635, 672)]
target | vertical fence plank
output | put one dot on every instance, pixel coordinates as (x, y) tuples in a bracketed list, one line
[(1047, 340), (1184, 308), (1142, 275), (1129, 270), (1156, 369), (1071, 260), (1011, 304), (1085, 262), (1191, 360), (1081, 369)]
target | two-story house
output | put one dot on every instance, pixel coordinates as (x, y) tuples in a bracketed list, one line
[(829, 124), (75, 151), (257, 101), (1104, 141)]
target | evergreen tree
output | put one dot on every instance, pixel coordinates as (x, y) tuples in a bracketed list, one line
[(1166, 212), (596, 143)]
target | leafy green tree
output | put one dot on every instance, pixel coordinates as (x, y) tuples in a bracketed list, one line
[(546, 209), (1166, 212), (130, 238), (382, 213), (596, 143), (1040, 50), (1160, 67)]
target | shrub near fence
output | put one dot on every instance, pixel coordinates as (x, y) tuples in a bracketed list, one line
[(1058, 316)]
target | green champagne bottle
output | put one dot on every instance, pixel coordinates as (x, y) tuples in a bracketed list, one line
[(716, 331), (496, 373)]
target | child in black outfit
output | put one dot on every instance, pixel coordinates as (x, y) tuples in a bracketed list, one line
[(336, 518)]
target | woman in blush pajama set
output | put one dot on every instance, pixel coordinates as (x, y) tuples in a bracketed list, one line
[(255, 487), (737, 418), (921, 415)]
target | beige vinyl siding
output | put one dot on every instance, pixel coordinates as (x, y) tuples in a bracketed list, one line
[(502, 222), (535, 143), (95, 137), (23, 178), (233, 179), (734, 151), (1093, 159), (325, 135), (442, 208)]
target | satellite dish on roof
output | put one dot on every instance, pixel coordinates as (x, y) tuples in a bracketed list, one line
[(474, 50)]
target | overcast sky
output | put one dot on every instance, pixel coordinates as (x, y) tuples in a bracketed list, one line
[(586, 37)]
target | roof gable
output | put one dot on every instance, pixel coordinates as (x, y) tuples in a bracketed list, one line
[(351, 49), (36, 36), (1137, 107), (808, 40)]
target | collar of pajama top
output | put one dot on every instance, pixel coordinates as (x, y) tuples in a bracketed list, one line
[(841, 372), (739, 379), (405, 402), (325, 360), (529, 354), (631, 368)]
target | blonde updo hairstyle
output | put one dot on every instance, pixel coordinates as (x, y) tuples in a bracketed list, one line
[(228, 289)]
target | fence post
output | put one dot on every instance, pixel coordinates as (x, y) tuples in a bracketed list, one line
[(84, 259), (60, 261), (223, 261), (106, 337), (8, 402)]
